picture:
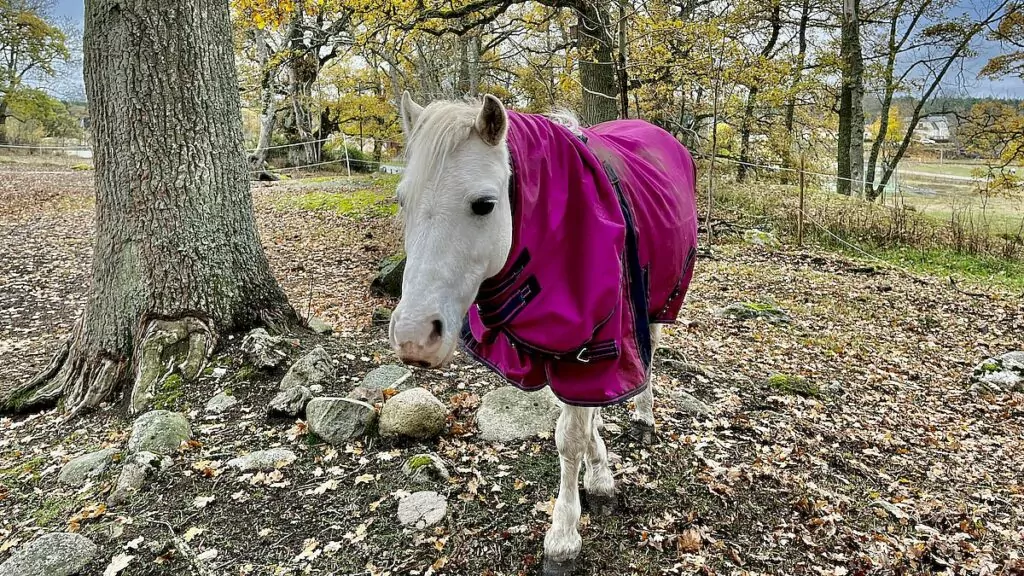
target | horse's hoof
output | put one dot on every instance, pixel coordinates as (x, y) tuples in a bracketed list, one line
[(552, 568), (602, 504), (641, 432)]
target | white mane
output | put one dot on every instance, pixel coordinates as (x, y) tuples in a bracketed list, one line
[(444, 125)]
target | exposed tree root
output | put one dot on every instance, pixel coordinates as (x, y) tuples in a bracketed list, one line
[(44, 389), (81, 380), (169, 348)]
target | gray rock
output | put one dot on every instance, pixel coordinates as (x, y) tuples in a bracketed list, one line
[(315, 368), (426, 468), (372, 396), (220, 403), (263, 460), (55, 554), (690, 405), (86, 467), (139, 469), (761, 238), (414, 413), (509, 414), (291, 402), (389, 281), (264, 350), (753, 311), (1003, 373), (317, 325), (159, 431), (338, 420), (422, 509), (388, 376)]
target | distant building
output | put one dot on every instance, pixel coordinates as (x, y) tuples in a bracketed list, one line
[(932, 129)]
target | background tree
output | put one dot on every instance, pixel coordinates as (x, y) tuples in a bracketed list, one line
[(29, 44), (177, 259)]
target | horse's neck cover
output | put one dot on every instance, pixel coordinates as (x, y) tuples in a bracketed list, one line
[(604, 241)]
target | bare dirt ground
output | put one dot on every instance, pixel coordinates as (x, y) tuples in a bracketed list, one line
[(885, 462)]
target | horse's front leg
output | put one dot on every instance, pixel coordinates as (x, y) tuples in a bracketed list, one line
[(642, 419), (562, 543)]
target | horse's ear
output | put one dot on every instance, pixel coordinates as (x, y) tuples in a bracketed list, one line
[(410, 112), (492, 123)]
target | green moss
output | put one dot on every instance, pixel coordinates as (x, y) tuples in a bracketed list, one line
[(30, 466), (990, 367), (794, 385), (51, 509), (167, 396), (417, 462), (81, 167), (359, 204), (759, 307), (244, 373)]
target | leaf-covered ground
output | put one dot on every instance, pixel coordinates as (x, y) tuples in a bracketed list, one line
[(880, 461)]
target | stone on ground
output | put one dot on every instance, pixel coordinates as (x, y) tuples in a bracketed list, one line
[(422, 509), (316, 324), (414, 413), (337, 420), (263, 460), (138, 469), (761, 238), (388, 376), (690, 405), (509, 414), (371, 396), (159, 431), (264, 350), (54, 554), (1003, 373), (291, 402), (220, 403), (315, 368), (381, 316), (86, 467), (426, 468), (389, 281), (753, 311)]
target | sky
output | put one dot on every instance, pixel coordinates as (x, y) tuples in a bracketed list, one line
[(73, 12)]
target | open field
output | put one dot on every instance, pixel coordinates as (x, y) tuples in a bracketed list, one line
[(885, 463)]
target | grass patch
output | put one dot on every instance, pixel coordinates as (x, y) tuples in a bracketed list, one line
[(972, 268), (360, 204), (794, 385), (51, 509)]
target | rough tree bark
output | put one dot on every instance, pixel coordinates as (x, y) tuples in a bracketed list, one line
[(268, 107), (597, 62), (177, 259), (850, 149)]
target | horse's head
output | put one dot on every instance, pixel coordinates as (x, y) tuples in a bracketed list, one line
[(457, 220)]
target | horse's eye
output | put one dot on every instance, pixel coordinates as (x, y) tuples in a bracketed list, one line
[(483, 206)]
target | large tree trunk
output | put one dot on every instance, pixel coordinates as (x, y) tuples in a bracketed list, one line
[(177, 258), (850, 150), (597, 64), (268, 108), (755, 89)]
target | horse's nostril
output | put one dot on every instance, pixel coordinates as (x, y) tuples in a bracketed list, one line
[(438, 330)]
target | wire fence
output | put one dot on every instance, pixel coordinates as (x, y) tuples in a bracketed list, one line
[(902, 192)]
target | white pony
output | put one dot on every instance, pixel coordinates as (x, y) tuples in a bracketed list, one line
[(458, 227)]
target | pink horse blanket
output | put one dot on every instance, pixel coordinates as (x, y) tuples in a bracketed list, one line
[(604, 242)]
